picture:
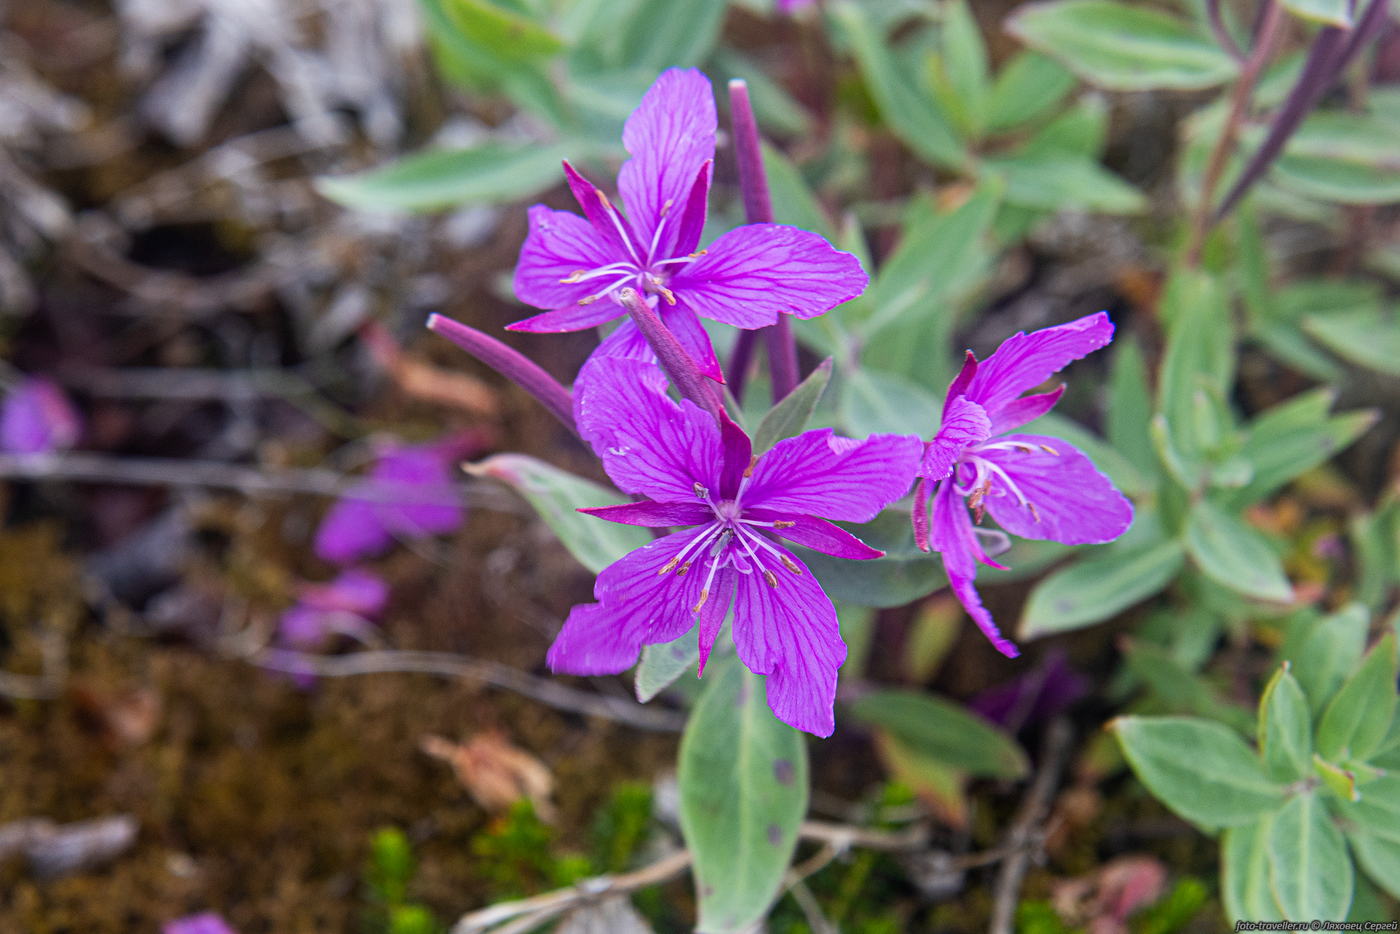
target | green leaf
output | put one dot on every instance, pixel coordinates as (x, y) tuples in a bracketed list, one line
[(1367, 336), (1341, 782), (1235, 554), (743, 791), (509, 35), (1322, 651), (1331, 12), (1358, 718), (1099, 587), (959, 75), (943, 731), (873, 402), (910, 114), (1285, 728), (1027, 89), (1292, 438), (790, 416), (1199, 358), (1200, 769), (1373, 828), (1051, 182), (556, 496), (1345, 157), (492, 173), (1130, 407), (793, 201), (1180, 690), (677, 34), (1122, 47), (1244, 873), (903, 575), (664, 662), (1375, 538), (1310, 870)]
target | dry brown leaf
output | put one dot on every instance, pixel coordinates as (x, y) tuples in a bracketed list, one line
[(496, 773)]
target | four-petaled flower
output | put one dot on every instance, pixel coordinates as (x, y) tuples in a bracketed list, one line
[(1034, 486), (696, 472), (748, 277)]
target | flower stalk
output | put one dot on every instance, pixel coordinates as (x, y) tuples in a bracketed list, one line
[(684, 374)]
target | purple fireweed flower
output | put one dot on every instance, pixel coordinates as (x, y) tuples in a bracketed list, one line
[(37, 418), (347, 604), (1033, 486), (207, 923), (408, 494), (695, 472), (574, 267)]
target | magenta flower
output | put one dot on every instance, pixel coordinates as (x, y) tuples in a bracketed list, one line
[(695, 473), (1033, 486), (408, 494), (748, 277), (37, 418), (347, 604), (207, 923)]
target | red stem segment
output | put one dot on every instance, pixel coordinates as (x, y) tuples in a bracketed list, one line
[(679, 366), (511, 364)]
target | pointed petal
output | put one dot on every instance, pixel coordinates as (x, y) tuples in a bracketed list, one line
[(1074, 503), (670, 136), (964, 423), (738, 454), (960, 382), (819, 473), (1024, 361), (713, 612), (693, 337), (637, 607), (1025, 409), (754, 273), (956, 542), (569, 318), (600, 213), (818, 534), (558, 245), (428, 503), (790, 633), (692, 219), (649, 444), (654, 515), (351, 530)]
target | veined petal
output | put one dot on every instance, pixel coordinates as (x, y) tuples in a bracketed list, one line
[(819, 473), (1069, 500), (738, 455), (692, 335), (654, 515), (964, 423), (691, 223), (790, 633), (569, 318), (670, 136), (956, 542), (713, 612), (637, 607), (754, 273), (1018, 412), (649, 444), (817, 534), (1024, 361), (597, 208), (558, 245)]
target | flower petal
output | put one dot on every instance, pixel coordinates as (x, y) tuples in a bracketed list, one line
[(713, 612), (1018, 412), (817, 534), (670, 136), (351, 529), (819, 473), (691, 223), (693, 337), (790, 633), (601, 214), (558, 245), (569, 318), (752, 274), (738, 457), (648, 443), (37, 418), (637, 607), (956, 542), (1073, 502), (428, 503), (654, 515), (964, 423), (1024, 361)]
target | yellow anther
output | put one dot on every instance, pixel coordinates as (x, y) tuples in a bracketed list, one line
[(704, 595), (753, 460), (669, 564), (784, 524), (666, 208), (684, 568), (1048, 449), (698, 253), (575, 276), (603, 199), (788, 563), (771, 578), (667, 294), (1035, 513), (588, 300)]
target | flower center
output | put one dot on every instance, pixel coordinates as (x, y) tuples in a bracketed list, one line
[(990, 479), (647, 272)]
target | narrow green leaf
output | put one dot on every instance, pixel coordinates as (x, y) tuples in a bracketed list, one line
[(959, 73), (873, 402), (943, 731), (1331, 12), (1130, 407), (492, 173), (1373, 829), (1235, 554), (793, 201), (1199, 357), (1178, 689), (1285, 728), (1368, 336), (1310, 870), (556, 496), (1292, 438), (1341, 782), (790, 416), (679, 34), (507, 34), (1358, 718), (1053, 182), (1244, 872), (1027, 89), (743, 790), (1099, 586), (1122, 47), (1322, 651), (663, 663), (1200, 769)]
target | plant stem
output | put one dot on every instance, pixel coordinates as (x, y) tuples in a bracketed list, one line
[(739, 359), (679, 365), (758, 208)]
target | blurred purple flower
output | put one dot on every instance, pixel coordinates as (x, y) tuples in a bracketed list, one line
[(789, 7), (37, 418), (1047, 689), (694, 472), (574, 266), (408, 494), (207, 923), (1034, 486), (347, 604)]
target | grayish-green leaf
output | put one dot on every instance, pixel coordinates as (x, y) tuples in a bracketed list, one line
[(663, 663), (1310, 871), (1368, 336), (1235, 554), (873, 402), (1373, 829), (1056, 181), (1099, 586), (1292, 438), (1285, 728), (1130, 407), (943, 731), (1244, 873), (790, 416), (1323, 651), (904, 574), (1026, 89), (1358, 717)]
